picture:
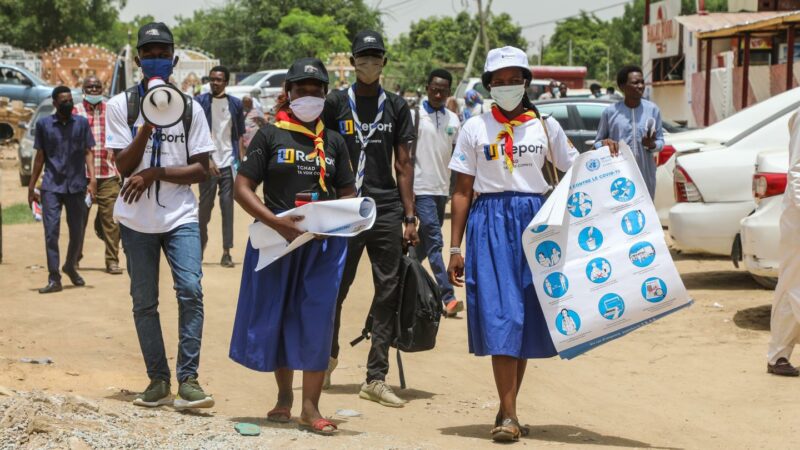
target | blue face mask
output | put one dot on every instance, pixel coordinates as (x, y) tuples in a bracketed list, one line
[(157, 68), (93, 99)]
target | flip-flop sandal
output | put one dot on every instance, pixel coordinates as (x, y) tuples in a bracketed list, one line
[(280, 414), (508, 431), (319, 427), (523, 430)]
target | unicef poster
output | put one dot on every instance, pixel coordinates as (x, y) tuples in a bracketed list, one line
[(597, 252)]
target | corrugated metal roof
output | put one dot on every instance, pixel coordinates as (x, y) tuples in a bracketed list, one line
[(721, 21)]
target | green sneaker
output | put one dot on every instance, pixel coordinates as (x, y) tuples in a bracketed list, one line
[(156, 394), (191, 395)]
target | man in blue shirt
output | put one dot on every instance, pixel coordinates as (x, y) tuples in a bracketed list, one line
[(635, 121), (225, 116), (64, 145)]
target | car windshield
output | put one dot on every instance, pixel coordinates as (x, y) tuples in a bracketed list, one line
[(251, 79)]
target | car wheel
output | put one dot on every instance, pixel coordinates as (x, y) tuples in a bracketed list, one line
[(24, 180), (765, 282)]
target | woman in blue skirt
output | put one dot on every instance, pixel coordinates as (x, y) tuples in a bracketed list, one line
[(500, 155), (284, 319)]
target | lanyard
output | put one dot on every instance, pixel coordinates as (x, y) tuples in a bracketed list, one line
[(360, 137), (155, 155)]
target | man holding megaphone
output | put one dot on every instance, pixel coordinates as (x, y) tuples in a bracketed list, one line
[(161, 141)]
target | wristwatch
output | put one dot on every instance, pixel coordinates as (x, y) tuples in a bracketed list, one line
[(410, 220)]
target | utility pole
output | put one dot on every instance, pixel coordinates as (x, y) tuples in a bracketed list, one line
[(482, 17), (570, 52), (474, 51), (608, 62), (541, 49)]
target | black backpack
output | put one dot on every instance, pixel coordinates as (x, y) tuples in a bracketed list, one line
[(134, 103), (418, 313)]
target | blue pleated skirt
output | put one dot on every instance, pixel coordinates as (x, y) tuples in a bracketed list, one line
[(503, 313), (285, 314)]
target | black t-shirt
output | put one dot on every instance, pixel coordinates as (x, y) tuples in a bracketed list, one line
[(277, 158), (395, 129)]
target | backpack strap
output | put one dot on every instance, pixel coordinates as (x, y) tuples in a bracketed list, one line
[(187, 122), (132, 99)]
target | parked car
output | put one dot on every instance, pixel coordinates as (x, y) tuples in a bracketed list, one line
[(723, 133), (270, 82), (713, 189), (758, 244), (17, 83), (580, 118), (25, 150)]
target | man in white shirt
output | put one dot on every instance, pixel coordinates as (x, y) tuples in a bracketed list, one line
[(225, 116), (156, 211), (436, 137)]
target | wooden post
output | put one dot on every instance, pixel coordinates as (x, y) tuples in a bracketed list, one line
[(707, 111), (790, 57), (746, 70)]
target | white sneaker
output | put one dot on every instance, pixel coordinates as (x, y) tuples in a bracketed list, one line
[(380, 392), (332, 363)]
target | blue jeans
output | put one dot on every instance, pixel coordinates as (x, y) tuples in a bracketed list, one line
[(430, 210), (143, 253)]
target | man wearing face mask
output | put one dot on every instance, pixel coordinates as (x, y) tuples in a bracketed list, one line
[(63, 144), (377, 128), (93, 107), (225, 117), (157, 211)]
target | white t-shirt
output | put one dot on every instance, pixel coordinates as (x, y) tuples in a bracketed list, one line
[(478, 153), (178, 200), (437, 135), (221, 132)]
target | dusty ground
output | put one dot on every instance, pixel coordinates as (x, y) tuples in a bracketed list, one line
[(693, 380)]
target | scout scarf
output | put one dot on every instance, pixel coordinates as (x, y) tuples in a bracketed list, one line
[(361, 138), (285, 122), (507, 132)]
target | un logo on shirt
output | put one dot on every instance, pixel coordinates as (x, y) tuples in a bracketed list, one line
[(286, 156), (346, 127)]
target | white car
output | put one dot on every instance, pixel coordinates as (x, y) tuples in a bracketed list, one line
[(724, 132), (759, 242), (713, 189), (269, 82)]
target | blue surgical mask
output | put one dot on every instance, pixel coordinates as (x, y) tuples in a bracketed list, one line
[(93, 99), (157, 68)]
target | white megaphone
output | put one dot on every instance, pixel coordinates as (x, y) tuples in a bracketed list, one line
[(163, 105)]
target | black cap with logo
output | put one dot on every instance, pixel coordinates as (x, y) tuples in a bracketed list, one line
[(154, 33), (307, 69), (368, 40)]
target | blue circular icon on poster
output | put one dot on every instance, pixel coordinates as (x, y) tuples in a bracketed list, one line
[(548, 253), (598, 270), (633, 222), (590, 239), (654, 290), (623, 190), (642, 254), (611, 306), (579, 204), (556, 285), (568, 322), (539, 229)]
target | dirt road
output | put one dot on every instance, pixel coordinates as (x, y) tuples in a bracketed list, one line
[(693, 380)]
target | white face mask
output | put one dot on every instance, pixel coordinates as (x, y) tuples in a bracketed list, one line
[(369, 68), (508, 97), (308, 108)]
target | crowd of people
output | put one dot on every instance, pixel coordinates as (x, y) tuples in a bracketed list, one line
[(321, 144)]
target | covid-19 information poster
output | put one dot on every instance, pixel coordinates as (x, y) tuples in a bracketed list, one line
[(597, 252)]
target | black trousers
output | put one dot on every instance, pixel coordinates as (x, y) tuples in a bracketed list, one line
[(384, 244)]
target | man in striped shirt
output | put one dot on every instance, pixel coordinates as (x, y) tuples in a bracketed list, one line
[(93, 107)]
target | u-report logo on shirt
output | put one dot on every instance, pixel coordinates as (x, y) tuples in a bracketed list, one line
[(286, 156), (346, 127), (491, 151)]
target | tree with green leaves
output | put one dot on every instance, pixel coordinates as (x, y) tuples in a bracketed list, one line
[(438, 41), (249, 35)]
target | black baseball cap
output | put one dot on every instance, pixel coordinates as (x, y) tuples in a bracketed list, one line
[(154, 33), (307, 69), (368, 40)]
